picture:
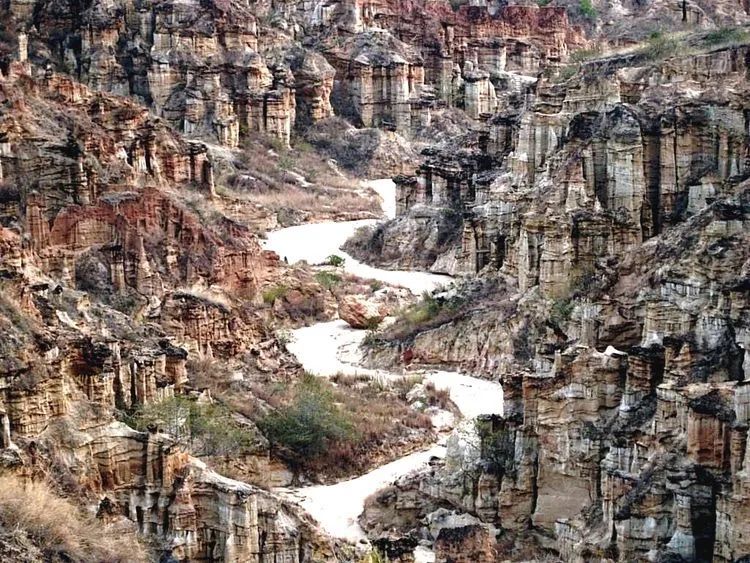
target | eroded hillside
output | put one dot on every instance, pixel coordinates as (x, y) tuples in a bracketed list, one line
[(585, 179)]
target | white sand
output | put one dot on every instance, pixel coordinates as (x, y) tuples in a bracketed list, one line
[(315, 242), (326, 349), (337, 507)]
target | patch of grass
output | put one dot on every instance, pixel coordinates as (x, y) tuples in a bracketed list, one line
[(587, 9), (375, 285), (58, 528), (328, 280), (286, 162), (276, 292), (12, 311), (582, 55), (726, 36), (428, 313), (405, 384), (660, 46), (566, 73)]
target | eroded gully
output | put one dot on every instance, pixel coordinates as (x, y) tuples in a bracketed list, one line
[(329, 348)]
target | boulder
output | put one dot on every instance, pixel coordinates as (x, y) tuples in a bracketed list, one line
[(360, 313)]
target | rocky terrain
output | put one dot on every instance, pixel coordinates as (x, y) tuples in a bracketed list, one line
[(608, 222), (581, 167)]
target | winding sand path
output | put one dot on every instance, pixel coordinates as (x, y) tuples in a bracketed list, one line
[(326, 349)]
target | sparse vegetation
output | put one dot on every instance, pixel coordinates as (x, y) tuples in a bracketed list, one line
[(328, 280), (497, 445), (440, 398), (208, 429), (58, 528), (335, 260), (660, 46), (347, 424), (582, 282), (566, 73), (587, 9), (271, 294), (291, 182), (11, 310), (306, 427), (375, 285), (429, 312), (582, 55), (727, 36), (561, 310)]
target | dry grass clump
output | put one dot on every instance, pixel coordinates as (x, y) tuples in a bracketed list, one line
[(440, 398), (294, 182), (58, 528)]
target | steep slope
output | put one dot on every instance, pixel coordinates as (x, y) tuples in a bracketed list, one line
[(610, 223)]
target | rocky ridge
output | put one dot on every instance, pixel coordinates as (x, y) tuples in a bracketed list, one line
[(612, 218)]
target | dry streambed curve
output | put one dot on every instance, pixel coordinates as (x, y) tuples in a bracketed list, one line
[(330, 348)]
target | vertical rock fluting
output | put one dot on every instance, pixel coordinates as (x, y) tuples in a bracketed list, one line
[(618, 233)]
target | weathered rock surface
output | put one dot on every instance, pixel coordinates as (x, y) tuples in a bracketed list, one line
[(361, 313), (613, 216)]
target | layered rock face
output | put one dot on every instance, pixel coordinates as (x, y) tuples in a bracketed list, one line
[(97, 186), (613, 217), (441, 57), (197, 64), (92, 220), (231, 70)]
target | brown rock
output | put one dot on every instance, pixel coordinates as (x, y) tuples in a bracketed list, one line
[(360, 313)]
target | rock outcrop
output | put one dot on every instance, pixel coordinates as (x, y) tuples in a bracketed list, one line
[(613, 217), (360, 313), (92, 225)]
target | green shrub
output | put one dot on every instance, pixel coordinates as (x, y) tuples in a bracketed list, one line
[(207, 428), (335, 260), (375, 285), (587, 9), (566, 73), (496, 446), (328, 280), (726, 36), (286, 162), (561, 310), (423, 311), (276, 292), (303, 429)]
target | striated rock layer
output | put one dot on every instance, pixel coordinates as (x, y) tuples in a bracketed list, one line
[(614, 217)]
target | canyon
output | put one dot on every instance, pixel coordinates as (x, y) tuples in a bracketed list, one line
[(492, 256)]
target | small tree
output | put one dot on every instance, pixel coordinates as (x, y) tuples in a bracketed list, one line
[(302, 430)]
